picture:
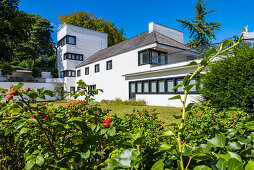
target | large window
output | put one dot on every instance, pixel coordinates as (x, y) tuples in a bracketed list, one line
[(96, 68), (86, 70), (150, 56), (73, 56), (109, 65), (68, 39), (161, 86), (68, 73)]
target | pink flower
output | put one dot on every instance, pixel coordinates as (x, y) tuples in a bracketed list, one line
[(32, 117), (199, 115), (45, 118)]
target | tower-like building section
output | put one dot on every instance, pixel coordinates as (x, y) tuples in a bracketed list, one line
[(74, 45)]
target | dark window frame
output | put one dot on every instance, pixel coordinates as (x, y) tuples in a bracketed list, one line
[(143, 92), (65, 40), (66, 56), (107, 68), (87, 71), (149, 54), (95, 66), (66, 73), (78, 73), (158, 86)]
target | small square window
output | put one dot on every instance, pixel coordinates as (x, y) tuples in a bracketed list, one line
[(87, 71), (96, 68), (109, 65), (143, 57), (71, 40), (78, 73)]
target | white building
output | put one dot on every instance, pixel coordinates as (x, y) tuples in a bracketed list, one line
[(145, 67)]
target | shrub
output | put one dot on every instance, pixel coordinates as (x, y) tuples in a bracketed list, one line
[(36, 72), (6, 69), (54, 73), (229, 82), (131, 102), (204, 121)]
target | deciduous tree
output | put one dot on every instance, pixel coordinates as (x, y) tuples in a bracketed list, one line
[(89, 21)]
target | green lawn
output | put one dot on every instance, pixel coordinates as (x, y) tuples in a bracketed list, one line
[(165, 113)]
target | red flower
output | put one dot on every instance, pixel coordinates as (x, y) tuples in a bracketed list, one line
[(108, 119), (9, 97), (14, 92), (234, 116), (84, 101), (27, 89), (45, 118), (106, 124), (68, 105), (199, 115), (221, 113), (80, 101), (32, 117)]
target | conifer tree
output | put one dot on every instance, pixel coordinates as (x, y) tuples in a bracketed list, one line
[(201, 31)]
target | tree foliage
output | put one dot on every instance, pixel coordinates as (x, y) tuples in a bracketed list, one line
[(14, 28), (89, 21), (6, 69), (229, 82), (201, 31)]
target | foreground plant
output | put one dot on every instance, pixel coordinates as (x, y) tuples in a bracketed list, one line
[(210, 55)]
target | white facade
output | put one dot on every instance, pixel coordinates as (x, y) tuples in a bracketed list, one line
[(115, 82)]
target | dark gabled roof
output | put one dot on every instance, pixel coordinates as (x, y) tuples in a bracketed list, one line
[(140, 40)]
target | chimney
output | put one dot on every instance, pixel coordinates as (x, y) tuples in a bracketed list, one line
[(166, 31)]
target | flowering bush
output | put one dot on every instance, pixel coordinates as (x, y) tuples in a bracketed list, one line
[(203, 121)]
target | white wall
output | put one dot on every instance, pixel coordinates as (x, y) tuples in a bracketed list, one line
[(33, 85)]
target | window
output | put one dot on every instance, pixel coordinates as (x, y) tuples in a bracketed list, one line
[(170, 85), (161, 86), (78, 88), (78, 73), (73, 56), (96, 68), (150, 56), (68, 73), (153, 86), (109, 65), (145, 87), (132, 87), (91, 87), (72, 90), (68, 39), (86, 70), (139, 87), (143, 57), (179, 89)]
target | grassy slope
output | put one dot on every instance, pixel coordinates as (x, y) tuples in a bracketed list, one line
[(166, 113)]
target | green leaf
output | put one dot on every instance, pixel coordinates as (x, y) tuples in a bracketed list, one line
[(250, 165), (231, 133), (164, 147), (177, 116), (139, 141), (169, 133), (19, 124), (189, 106), (85, 155), (234, 164), (222, 164), (159, 165), (175, 97), (18, 86), (193, 63), (188, 87), (23, 130), (40, 90), (201, 157), (177, 86), (39, 160), (172, 124), (111, 131), (219, 140), (30, 163), (225, 43), (79, 119), (49, 93), (202, 167), (185, 79), (234, 146)]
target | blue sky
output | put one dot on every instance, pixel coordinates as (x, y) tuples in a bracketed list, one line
[(134, 15)]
